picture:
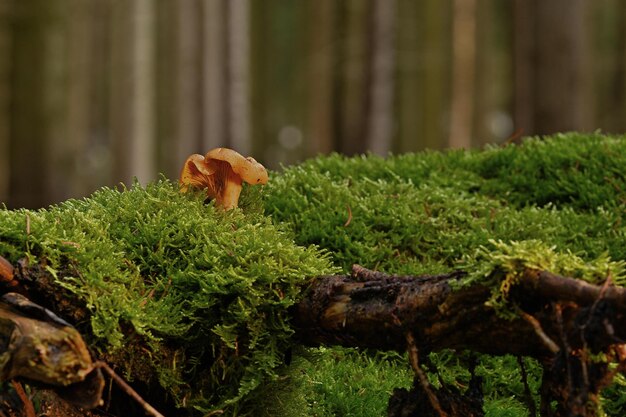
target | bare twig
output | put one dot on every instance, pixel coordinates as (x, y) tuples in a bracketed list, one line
[(549, 343), (603, 290), (552, 286), (367, 274), (29, 408), (128, 389), (347, 223), (421, 376), (559, 320), (583, 327)]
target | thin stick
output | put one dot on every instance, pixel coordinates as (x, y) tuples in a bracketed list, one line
[(554, 348), (128, 389), (559, 322), (29, 408), (347, 223), (421, 376), (368, 274)]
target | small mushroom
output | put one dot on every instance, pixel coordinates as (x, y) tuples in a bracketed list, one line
[(221, 171)]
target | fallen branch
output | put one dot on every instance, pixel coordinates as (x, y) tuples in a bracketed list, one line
[(376, 310), (555, 316)]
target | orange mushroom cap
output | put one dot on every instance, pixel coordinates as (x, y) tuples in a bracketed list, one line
[(222, 172), (194, 173)]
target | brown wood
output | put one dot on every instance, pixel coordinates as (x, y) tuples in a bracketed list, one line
[(560, 321)]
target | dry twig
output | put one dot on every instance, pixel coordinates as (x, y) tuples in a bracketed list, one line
[(549, 343), (128, 389), (29, 408), (421, 376)]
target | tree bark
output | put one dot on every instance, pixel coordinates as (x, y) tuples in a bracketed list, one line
[(375, 310)]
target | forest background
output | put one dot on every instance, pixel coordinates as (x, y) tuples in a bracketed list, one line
[(98, 92)]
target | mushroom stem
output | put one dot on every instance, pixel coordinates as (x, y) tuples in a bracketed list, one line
[(228, 196)]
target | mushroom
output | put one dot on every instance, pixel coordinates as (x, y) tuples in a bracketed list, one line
[(222, 172)]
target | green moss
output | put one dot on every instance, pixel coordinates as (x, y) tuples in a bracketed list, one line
[(207, 290), (328, 382), (554, 203), (426, 212), (501, 264)]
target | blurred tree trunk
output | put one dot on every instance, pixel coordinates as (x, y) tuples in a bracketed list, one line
[(423, 73), (551, 61), (280, 80), (132, 87), (434, 46), (79, 43), (523, 58), (321, 65), (608, 58), (351, 80), (97, 158), (485, 79), (6, 40), (259, 57), (38, 107), (381, 71), (214, 74), (463, 73), (409, 89), (238, 75), (562, 67), (187, 111), (165, 67), (179, 79), (621, 70)]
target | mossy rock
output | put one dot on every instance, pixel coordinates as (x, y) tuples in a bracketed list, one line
[(206, 293)]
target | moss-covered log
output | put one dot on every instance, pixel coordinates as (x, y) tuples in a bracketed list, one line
[(375, 310), (197, 307), (562, 322)]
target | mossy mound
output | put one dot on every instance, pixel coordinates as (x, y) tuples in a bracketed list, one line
[(430, 212), (204, 292), (207, 293), (553, 203)]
